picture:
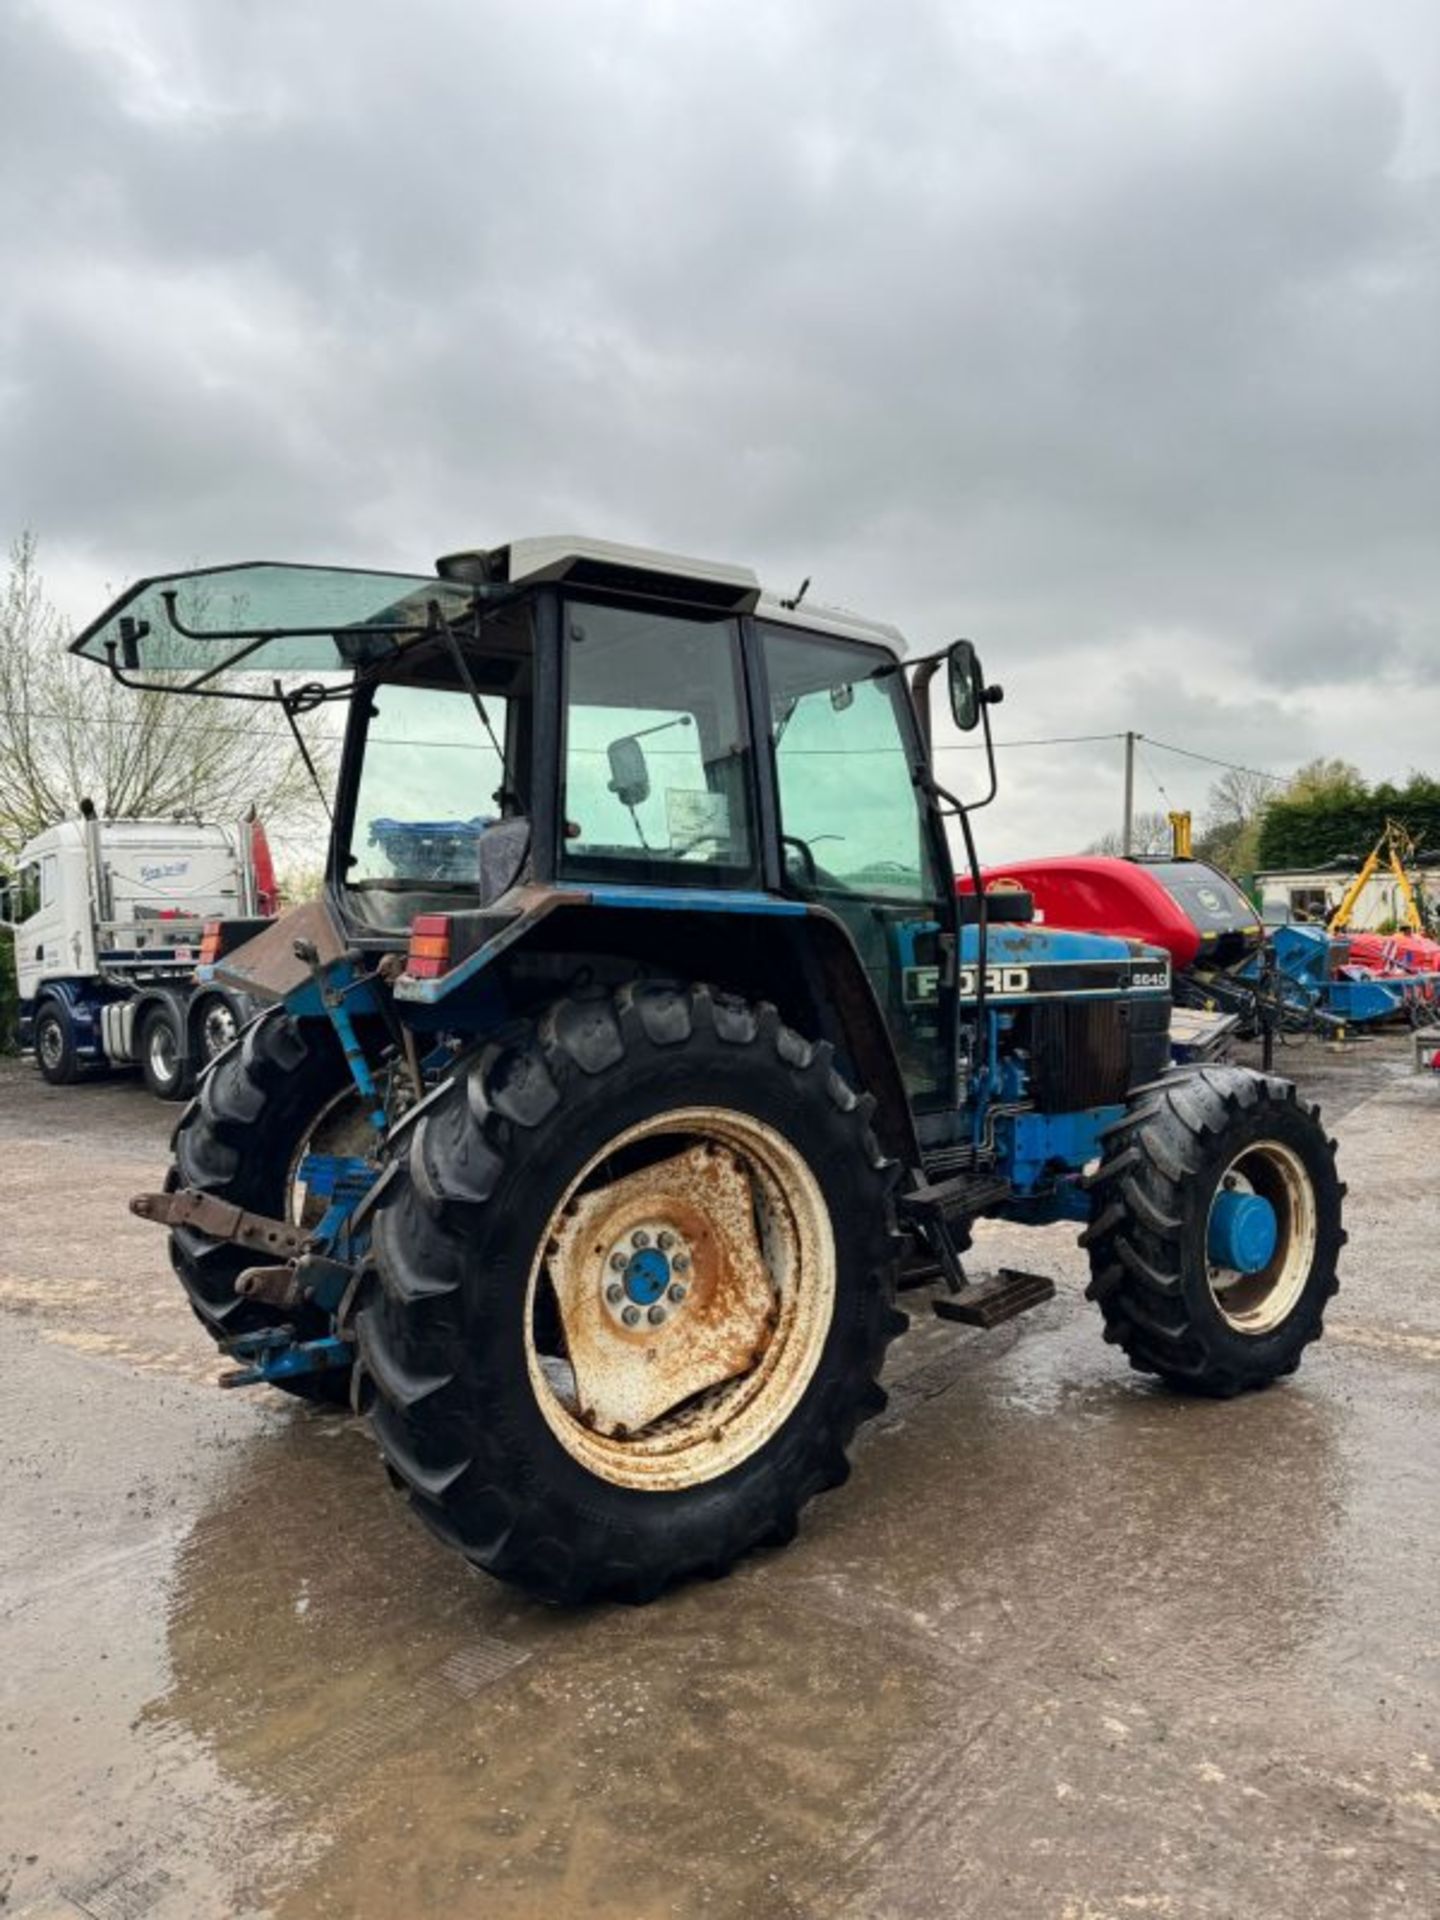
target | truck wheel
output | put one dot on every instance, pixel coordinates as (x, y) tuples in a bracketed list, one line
[(1215, 1230), (214, 1026), (163, 1065), (280, 1091), (55, 1045), (634, 1289)]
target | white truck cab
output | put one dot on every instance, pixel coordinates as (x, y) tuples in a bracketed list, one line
[(107, 918)]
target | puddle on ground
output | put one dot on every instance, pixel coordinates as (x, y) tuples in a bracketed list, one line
[(1064, 1644)]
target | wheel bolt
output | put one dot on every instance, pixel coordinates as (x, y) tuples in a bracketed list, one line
[(639, 1238), (677, 1293), (618, 1262), (656, 1315), (681, 1262), (614, 1293), (665, 1241), (631, 1316)]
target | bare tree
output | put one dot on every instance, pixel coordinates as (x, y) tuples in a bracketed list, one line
[(1150, 833), (69, 732), (1240, 796), (1230, 837)]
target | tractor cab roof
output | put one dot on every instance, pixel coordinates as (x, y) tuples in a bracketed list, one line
[(280, 618)]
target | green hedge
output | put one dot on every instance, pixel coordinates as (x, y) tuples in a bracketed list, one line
[(1306, 833)]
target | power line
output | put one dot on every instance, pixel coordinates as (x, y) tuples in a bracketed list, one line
[(1233, 766), (944, 746), (1155, 778), (1048, 740), (1071, 739)]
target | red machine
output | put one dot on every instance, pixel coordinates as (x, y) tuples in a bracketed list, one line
[(1188, 907), (1388, 953)]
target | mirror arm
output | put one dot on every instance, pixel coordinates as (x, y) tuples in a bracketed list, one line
[(985, 705), (924, 673)]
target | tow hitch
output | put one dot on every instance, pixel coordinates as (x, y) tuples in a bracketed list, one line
[(302, 1272)]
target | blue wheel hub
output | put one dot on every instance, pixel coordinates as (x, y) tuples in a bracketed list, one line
[(646, 1277), (1243, 1232)]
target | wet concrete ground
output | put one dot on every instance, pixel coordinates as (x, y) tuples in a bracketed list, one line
[(1065, 1648)]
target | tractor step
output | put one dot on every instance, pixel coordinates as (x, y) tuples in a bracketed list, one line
[(988, 1302), (962, 1197)]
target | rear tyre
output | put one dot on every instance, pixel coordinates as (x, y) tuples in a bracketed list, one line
[(55, 1045), (664, 1176), (242, 1138), (164, 1066), (1169, 1301)]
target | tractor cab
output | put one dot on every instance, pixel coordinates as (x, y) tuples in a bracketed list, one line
[(641, 1048), (619, 729)]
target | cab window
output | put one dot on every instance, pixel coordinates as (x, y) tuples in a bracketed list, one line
[(657, 770), (854, 832), (849, 816), (27, 891)]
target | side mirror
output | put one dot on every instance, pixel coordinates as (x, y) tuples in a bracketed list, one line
[(5, 887), (967, 685), (629, 774)]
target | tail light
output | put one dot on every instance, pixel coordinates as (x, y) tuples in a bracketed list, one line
[(210, 943), (429, 954)]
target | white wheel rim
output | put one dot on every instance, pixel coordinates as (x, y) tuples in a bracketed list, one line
[(1257, 1303), (162, 1050), (714, 1429), (218, 1028)]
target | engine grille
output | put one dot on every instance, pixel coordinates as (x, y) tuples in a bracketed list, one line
[(1089, 1053)]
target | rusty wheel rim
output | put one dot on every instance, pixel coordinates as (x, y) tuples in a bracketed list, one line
[(687, 1281), (340, 1127)]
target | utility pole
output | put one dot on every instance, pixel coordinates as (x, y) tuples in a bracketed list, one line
[(1127, 836)]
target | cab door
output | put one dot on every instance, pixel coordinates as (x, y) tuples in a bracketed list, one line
[(38, 925), (857, 835)]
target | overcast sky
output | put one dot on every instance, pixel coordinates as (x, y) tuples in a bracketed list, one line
[(1106, 334)]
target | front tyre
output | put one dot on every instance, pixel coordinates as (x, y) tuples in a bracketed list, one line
[(55, 1053), (1215, 1230), (635, 1274)]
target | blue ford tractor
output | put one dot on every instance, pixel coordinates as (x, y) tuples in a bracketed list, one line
[(641, 1048)]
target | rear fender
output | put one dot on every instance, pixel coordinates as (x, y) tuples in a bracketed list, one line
[(790, 952)]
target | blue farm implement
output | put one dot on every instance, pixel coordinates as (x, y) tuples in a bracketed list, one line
[(641, 1050)]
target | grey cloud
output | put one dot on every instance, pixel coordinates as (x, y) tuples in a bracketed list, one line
[(1330, 645), (988, 321)]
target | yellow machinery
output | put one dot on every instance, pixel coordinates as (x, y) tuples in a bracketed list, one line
[(1396, 849), (1180, 836)]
